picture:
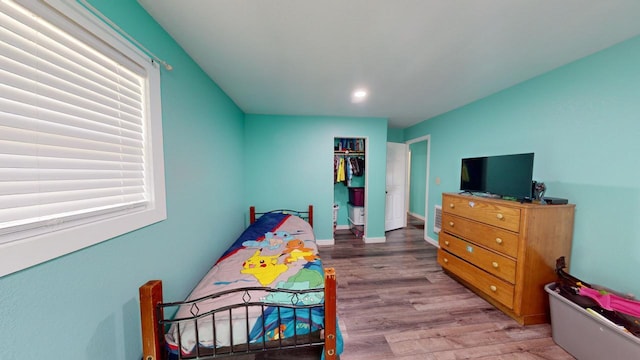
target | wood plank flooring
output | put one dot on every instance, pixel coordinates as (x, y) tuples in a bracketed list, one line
[(395, 302)]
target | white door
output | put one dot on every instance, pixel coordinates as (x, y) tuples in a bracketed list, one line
[(395, 210)]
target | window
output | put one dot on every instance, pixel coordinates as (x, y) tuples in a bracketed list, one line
[(80, 133)]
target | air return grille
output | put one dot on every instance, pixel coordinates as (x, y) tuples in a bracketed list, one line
[(437, 219)]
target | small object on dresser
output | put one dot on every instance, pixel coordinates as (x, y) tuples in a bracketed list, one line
[(538, 191), (554, 200)]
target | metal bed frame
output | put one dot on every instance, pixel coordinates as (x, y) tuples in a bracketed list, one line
[(154, 324), (306, 215)]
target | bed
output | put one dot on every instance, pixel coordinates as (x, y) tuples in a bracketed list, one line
[(268, 291)]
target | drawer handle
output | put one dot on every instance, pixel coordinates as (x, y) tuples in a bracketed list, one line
[(451, 223), (499, 241), (445, 260), (446, 242), (451, 206), (494, 264), (500, 216), (493, 288)]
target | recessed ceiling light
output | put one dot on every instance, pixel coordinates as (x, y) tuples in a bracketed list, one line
[(359, 95)]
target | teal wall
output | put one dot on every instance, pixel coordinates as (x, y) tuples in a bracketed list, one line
[(582, 121), (395, 135), (418, 177), (85, 305), (289, 163)]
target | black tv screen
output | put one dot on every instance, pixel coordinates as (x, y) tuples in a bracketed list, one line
[(504, 175)]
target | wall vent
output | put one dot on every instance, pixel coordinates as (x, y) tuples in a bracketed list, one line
[(437, 219)]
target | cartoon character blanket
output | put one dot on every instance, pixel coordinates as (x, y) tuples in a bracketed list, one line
[(277, 251)]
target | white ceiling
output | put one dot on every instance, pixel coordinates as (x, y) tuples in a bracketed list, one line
[(417, 58)]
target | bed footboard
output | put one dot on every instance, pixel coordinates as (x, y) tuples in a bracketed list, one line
[(330, 331), (151, 313), (150, 316)]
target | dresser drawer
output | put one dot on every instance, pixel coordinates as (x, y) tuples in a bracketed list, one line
[(495, 238), (491, 262), (497, 289), (489, 212)]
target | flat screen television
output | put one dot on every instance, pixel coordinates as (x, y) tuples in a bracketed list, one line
[(504, 175)]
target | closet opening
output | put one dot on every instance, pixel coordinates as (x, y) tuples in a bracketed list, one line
[(349, 185)]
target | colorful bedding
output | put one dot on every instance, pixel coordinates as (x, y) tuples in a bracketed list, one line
[(277, 251)]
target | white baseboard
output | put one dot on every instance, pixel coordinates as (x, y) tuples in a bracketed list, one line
[(343, 227), (326, 242), (421, 217), (432, 241), (372, 240)]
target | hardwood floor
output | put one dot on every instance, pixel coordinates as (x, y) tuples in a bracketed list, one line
[(395, 302)]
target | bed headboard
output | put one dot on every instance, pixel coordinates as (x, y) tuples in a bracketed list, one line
[(305, 214)]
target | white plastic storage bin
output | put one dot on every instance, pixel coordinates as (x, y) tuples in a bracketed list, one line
[(356, 214), (586, 336)]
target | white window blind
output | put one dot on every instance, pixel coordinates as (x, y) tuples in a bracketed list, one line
[(73, 125)]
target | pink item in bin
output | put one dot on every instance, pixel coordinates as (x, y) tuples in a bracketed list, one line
[(611, 301)]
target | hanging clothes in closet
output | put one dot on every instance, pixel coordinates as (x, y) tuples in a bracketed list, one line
[(339, 169), (357, 165), (346, 167)]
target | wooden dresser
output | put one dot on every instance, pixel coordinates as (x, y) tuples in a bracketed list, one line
[(505, 251)]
